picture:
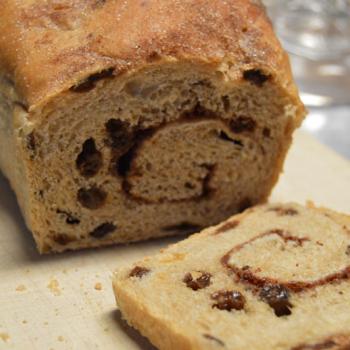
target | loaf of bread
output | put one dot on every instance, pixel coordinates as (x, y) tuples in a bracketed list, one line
[(275, 277), (126, 120)]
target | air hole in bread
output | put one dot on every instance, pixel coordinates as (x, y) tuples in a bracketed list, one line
[(69, 218), (207, 188), (92, 198), (89, 83), (226, 103), (224, 136), (31, 141), (243, 124), (89, 160), (256, 77), (199, 111), (215, 339), (228, 300), (31, 144), (197, 280), (184, 227), (103, 230), (267, 132)]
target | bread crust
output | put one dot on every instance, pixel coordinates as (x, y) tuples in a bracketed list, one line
[(48, 47)]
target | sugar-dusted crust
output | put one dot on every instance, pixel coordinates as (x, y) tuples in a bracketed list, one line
[(184, 316), (47, 47)]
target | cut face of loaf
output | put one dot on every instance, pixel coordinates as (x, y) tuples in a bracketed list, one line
[(159, 153), (274, 277), (133, 136)]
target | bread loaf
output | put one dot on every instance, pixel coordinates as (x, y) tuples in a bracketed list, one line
[(126, 120), (275, 277)]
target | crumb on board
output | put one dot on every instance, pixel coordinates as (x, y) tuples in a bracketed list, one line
[(4, 337), (60, 338), (98, 286), (54, 287), (21, 288), (24, 321)]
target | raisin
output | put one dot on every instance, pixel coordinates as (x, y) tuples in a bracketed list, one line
[(200, 282), (242, 124), (256, 77), (139, 271), (124, 163), (277, 296), (90, 83), (89, 161), (119, 134), (228, 300), (103, 230), (92, 198)]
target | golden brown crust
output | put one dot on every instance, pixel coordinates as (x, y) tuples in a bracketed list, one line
[(46, 47)]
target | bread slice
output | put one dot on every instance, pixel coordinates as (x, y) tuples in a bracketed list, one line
[(274, 277), (126, 120)]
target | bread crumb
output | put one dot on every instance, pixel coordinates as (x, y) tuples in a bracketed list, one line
[(5, 337), (24, 321), (54, 287), (21, 288), (46, 323), (98, 286), (60, 338)]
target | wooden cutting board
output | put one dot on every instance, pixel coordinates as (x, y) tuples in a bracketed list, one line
[(66, 301)]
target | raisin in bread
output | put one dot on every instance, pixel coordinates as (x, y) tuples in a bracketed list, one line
[(274, 277), (125, 120)]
